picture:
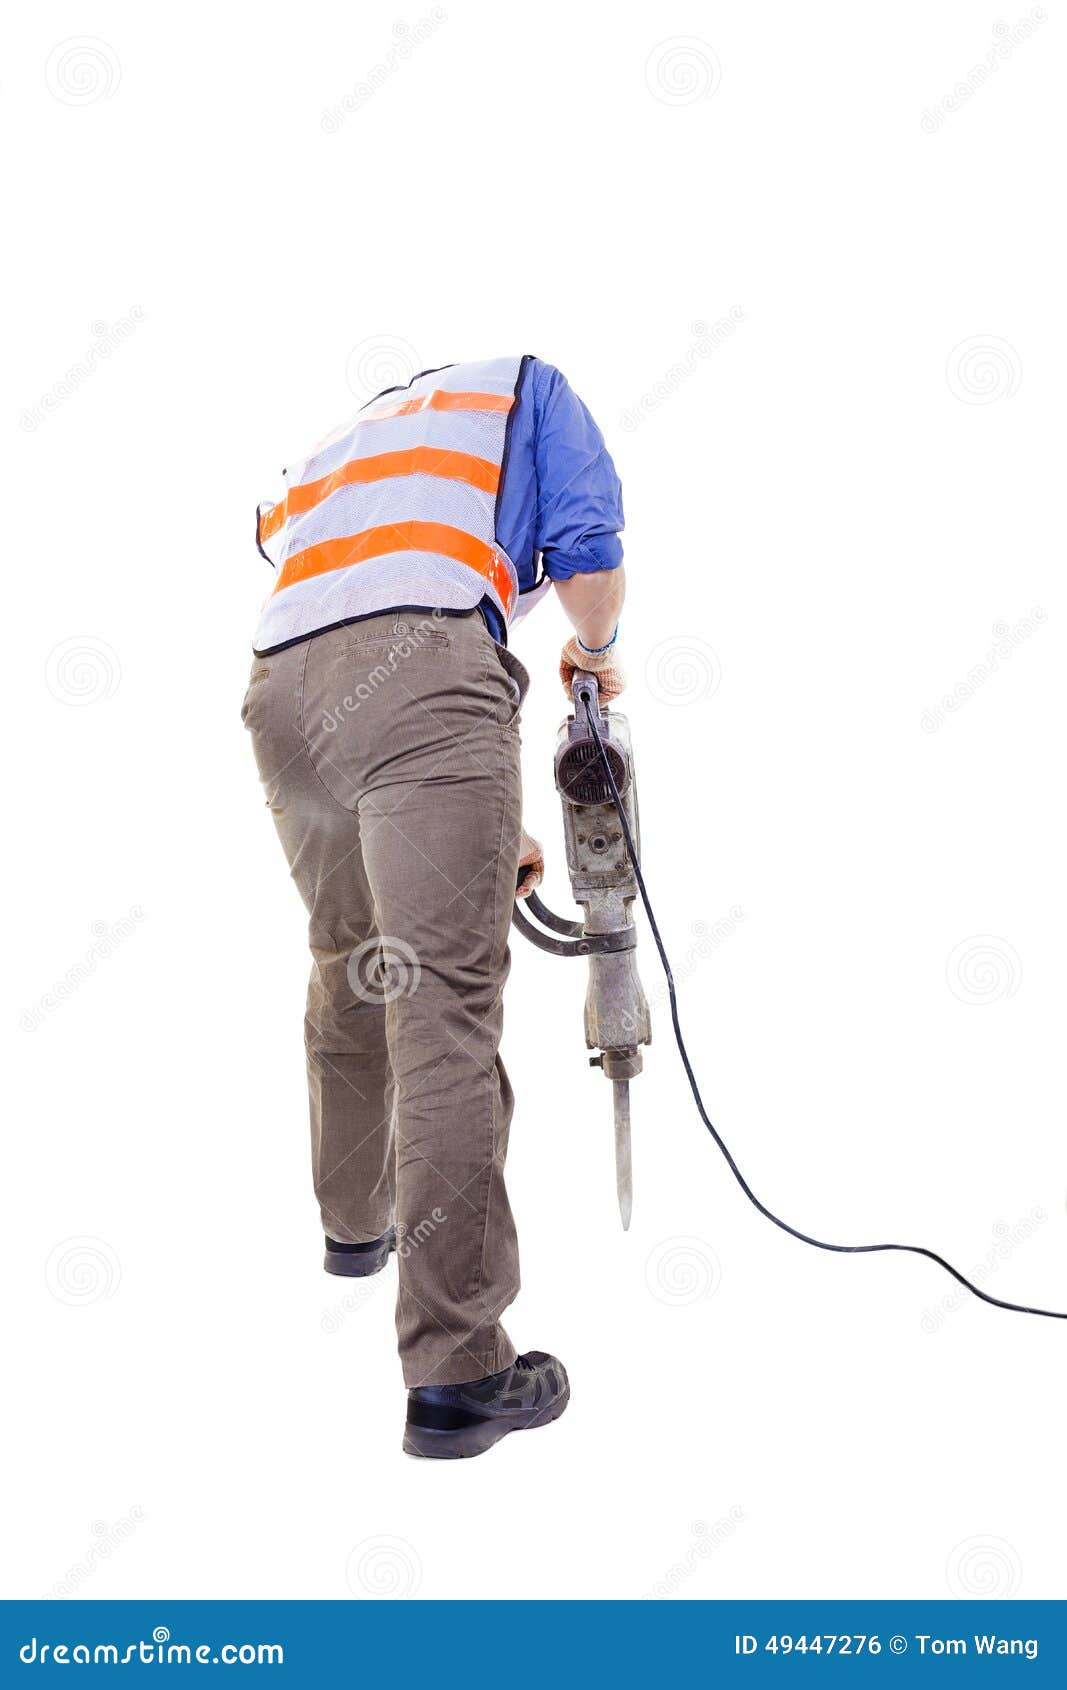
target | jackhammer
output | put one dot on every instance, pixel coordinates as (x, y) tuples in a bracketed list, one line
[(594, 771), (617, 1021)]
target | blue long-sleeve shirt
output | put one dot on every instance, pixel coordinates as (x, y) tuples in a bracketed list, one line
[(560, 499)]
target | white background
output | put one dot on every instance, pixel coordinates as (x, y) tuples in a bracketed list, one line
[(830, 509)]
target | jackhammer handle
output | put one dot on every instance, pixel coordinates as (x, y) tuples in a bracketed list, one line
[(558, 923), (583, 680)]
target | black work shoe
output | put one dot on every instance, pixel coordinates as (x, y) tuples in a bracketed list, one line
[(451, 1421), (357, 1261)]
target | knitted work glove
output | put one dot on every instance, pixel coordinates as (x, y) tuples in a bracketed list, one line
[(606, 668), (532, 859)]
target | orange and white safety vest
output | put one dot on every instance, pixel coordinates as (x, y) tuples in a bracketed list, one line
[(396, 509)]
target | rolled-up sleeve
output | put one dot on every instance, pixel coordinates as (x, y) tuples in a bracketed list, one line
[(579, 495)]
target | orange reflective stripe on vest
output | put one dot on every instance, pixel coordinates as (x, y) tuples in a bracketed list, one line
[(401, 537), (441, 400), (418, 460)]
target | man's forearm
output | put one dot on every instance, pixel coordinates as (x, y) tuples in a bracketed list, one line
[(593, 603)]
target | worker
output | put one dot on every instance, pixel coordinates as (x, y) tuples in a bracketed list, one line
[(384, 711)]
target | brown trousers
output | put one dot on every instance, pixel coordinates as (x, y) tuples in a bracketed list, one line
[(389, 753)]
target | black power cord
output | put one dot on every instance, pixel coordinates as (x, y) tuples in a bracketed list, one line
[(794, 1232)]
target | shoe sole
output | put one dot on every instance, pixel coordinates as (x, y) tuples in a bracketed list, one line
[(348, 1265), (475, 1440)]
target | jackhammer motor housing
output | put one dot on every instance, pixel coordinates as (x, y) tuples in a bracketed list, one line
[(602, 881)]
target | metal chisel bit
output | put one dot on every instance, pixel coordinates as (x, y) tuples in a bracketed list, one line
[(624, 1180)]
